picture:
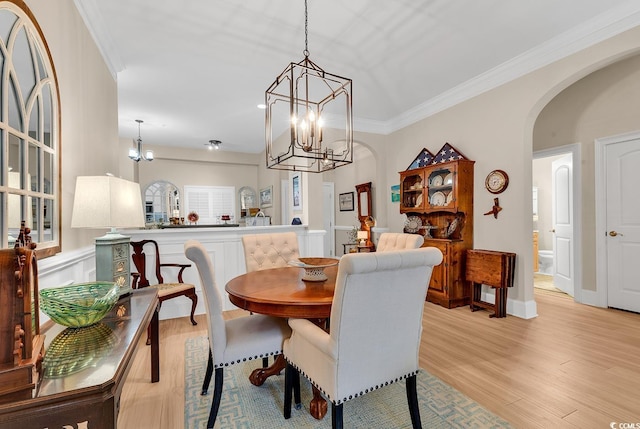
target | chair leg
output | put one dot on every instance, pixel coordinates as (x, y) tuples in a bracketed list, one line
[(288, 387), (412, 399), (296, 389), (336, 416), (291, 382), (207, 375), (194, 302), (217, 395)]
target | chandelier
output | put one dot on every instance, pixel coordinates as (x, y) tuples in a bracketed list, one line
[(306, 109), (135, 153)]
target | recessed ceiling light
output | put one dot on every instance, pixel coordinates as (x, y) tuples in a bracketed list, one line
[(262, 106), (213, 144)]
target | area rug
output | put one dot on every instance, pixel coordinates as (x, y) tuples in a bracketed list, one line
[(249, 407)]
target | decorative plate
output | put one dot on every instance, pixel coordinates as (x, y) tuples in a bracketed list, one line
[(449, 197), (412, 224), (438, 199), (418, 201), (436, 181), (448, 179), (452, 227)]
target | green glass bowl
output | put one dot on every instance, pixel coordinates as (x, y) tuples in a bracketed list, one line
[(79, 305)]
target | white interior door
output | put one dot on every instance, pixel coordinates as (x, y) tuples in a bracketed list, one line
[(622, 176), (562, 213), (328, 219)]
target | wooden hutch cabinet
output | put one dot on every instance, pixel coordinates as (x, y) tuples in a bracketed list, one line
[(438, 202)]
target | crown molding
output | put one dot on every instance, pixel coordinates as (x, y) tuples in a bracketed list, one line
[(95, 24), (598, 29)]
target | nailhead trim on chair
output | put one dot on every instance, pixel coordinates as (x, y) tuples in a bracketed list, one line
[(343, 400), (263, 355)]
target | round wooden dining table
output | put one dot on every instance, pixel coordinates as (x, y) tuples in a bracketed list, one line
[(281, 292)]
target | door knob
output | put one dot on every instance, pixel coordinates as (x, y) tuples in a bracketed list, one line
[(613, 234)]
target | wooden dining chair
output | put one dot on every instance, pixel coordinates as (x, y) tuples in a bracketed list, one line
[(166, 291), (390, 241), (231, 341), (363, 351), (271, 250)]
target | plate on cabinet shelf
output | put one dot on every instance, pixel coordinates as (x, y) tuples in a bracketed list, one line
[(418, 201), (449, 197), (448, 179), (412, 224), (436, 181), (438, 199)]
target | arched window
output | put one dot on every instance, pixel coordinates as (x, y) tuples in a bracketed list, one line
[(29, 131)]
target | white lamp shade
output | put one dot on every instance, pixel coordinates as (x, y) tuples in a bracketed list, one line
[(106, 202), (362, 235)]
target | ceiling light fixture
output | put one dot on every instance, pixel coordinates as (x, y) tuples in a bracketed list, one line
[(213, 144), (135, 153), (301, 101)]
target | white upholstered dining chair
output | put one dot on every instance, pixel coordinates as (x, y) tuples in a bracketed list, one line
[(389, 241), (363, 350), (271, 250), (231, 341)]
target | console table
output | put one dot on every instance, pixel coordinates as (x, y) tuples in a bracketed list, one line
[(84, 369)]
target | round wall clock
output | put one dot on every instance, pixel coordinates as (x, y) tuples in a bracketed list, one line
[(497, 181)]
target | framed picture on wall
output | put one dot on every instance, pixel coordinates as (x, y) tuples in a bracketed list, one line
[(346, 202), (296, 191), (395, 194), (266, 197)]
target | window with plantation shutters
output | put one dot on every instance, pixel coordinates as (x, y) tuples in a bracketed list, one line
[(210, 203)]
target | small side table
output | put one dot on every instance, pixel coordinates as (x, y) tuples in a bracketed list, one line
[(494, 269), (349, 247), (366, 248)]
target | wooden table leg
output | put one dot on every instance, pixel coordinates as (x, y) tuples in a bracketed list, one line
[(318, 405), (155, 347), (259, 375)]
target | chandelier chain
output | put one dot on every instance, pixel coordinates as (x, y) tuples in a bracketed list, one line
[(306, 30)]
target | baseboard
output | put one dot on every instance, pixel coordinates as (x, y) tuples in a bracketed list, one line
[(521, 309)]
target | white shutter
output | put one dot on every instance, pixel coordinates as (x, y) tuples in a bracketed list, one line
[(210, 203)]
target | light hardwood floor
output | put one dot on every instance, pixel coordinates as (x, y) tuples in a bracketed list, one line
[(573, 366)]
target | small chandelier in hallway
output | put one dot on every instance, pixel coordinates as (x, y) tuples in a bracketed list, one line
[(135, 153)]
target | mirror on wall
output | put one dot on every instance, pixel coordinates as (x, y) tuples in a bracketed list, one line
[(364, 201), (161, 202), (248, 199)]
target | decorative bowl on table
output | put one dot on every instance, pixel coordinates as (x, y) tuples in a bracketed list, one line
[(79, 305), (314, 267)]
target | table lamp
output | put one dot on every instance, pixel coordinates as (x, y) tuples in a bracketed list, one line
[(109, 202), (363, 236)]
